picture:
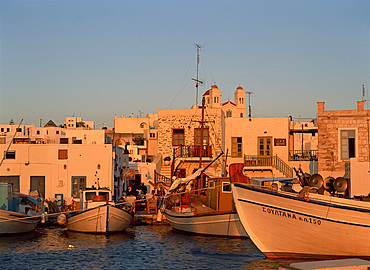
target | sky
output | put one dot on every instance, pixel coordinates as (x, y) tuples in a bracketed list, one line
[(98, 59)]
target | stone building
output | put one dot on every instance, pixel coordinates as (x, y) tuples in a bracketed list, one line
[(179, 130), (344, 146)]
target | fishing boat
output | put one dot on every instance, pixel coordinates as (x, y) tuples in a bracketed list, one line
[(19, 213), (304, 224), (97, 213), (208, 213)]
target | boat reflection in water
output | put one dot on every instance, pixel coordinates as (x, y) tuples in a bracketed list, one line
[(139, 247)]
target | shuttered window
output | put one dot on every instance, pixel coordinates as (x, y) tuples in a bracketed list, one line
[(198, 136), (236, 147), (62, 154), (78, 182), (265, 146), (178, 137), (347, 143)]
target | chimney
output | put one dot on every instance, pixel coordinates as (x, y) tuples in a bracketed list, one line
[(320, 107), (360, 105)]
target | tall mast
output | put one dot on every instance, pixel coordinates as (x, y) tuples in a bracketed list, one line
[(249, 104), (197, 81), (201, 135)]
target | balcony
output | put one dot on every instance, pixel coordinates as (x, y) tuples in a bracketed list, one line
[(305, 155), (193, 151)]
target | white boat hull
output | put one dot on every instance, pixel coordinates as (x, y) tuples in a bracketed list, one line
[(284, 225), (102, 219), (12, 222), (218, 223)]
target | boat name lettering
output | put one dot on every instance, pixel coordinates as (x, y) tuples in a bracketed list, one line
[(282, 213)]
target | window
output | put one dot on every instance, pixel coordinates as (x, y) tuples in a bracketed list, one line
[(89, 196), (62, 154), (143, 125), (241, 100), (12, 180), (59, 200), (265, 146), (19, 129), (236, 147), (78, 182), (38, 183), (178, 137), (2, 129), (241, 115), (7, 129), (226, 187), (347, 144), (38, 132), (229, 114), (152, 135), (198, 136), (57, 132), (63, 140), (10, 155)]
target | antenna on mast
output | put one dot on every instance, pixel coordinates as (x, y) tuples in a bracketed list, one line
[(363, 93), (197, 81), (249, 105)]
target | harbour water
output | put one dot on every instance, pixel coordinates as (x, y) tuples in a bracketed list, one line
[(140, 247)]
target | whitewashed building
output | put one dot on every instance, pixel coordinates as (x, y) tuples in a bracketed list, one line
[(59, 167)]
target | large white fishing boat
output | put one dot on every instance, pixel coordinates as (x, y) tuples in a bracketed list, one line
[(304, 224), (97, 213)]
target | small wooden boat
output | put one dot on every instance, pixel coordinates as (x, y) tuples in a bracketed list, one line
[(304, 225), (19, 213), (212, 223), (210, 214), (98, 213)]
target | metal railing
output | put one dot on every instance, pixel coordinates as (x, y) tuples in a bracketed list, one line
[(192, 151), (308, 155), (161, 178), (272, 161)]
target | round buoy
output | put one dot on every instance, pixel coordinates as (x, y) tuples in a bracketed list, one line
[(62, 219)]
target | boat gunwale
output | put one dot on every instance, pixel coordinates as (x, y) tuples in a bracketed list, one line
[(310, 200), (80, 211), (198, 214)]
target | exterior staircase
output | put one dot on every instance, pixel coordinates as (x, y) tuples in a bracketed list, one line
[(272, 162), (166, 171)]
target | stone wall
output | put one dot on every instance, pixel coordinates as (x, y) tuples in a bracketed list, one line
[(187, 119), (329, 125)]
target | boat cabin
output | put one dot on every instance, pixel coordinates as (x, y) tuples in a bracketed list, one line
[(219, 196), (90, 198)]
